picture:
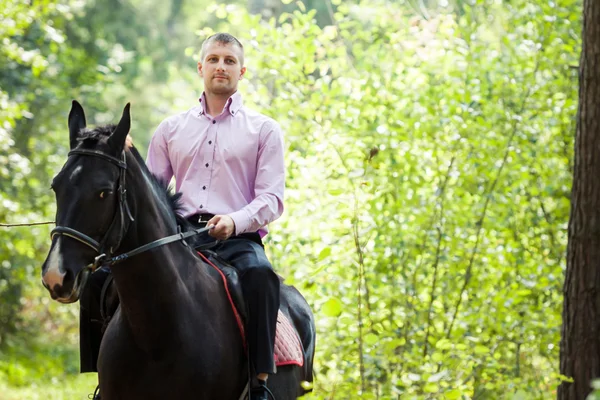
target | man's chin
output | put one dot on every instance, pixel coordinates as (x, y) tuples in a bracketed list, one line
[(221, 91)]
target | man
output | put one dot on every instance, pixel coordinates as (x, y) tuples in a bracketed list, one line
[(227, 161)]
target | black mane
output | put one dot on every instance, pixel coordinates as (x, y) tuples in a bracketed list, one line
[(161, 188)]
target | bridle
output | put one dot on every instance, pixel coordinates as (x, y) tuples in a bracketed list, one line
[(122, 218)]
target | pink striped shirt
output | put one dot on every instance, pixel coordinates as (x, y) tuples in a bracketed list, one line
[(230, 164)]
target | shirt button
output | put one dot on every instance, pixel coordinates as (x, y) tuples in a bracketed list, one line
[(203, 187), (201, 206), (214, 121), (210, 142), (206, 165)]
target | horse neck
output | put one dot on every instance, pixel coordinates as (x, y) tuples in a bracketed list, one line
[(150, 285)]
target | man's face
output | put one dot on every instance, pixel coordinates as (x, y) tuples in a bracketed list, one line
[(221, 68)]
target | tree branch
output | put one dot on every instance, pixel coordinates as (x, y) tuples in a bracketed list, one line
[(490, 192)]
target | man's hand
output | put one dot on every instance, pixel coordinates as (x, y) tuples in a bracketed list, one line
[(224, 227), (128, 142)]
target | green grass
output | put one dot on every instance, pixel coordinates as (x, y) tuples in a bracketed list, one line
[(70, 387), (45, 367)]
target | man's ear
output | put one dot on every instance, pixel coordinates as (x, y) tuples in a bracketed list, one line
[(242, 72), (200, 68)]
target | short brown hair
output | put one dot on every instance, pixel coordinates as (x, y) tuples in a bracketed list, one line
[(224, 38)]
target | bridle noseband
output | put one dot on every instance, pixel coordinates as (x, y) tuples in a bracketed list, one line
[(105, 255)]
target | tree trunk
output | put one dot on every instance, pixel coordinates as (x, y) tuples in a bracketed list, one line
[(580, 342)]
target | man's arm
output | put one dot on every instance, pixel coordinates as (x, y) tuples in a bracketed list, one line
[(158, 160), (269, 186)]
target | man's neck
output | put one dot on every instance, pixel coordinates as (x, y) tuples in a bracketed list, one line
[(215, 103)]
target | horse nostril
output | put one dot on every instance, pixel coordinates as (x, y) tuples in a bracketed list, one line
[(67, 277)]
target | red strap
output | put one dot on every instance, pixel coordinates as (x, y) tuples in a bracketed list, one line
[(238, 318)]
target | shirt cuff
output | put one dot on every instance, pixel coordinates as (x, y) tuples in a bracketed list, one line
[(241, 221)]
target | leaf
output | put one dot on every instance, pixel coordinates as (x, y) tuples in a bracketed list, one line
[(323, 254), (431, 387), (443, 344), (437, 377), (452, 395), (371, 338), (336, 192), (414, 377), (332, 307)]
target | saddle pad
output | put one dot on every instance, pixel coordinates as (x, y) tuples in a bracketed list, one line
[(288, 348)]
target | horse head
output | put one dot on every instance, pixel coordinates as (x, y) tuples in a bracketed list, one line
[(92, 213)]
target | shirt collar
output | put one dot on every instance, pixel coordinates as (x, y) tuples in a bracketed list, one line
[(233, 105)]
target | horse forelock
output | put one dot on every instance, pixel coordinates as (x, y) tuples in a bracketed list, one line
[(95, 135)]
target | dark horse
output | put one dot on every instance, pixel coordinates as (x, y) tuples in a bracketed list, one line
[(174, 335)]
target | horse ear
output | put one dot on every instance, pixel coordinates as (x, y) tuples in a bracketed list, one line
[(76, 122), (117, 139)]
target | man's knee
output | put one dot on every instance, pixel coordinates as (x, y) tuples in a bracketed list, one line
[(262, 275), (260, 281)]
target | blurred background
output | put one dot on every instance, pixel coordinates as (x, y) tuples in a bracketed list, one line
[(429, 151)]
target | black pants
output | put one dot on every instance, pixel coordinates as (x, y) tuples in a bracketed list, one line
[(260, 286)]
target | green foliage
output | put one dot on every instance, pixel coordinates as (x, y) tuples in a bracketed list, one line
[(429, 160), (429, 156)]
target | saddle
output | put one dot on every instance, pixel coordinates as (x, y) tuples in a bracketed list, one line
[(288, 347)]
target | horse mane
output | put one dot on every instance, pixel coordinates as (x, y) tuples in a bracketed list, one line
[(164, 190), (161, 189)]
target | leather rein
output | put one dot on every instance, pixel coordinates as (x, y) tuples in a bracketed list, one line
[(122, 217)]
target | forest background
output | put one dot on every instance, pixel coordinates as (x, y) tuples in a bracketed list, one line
[(429, 147)]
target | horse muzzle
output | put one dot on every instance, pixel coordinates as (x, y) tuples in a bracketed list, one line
[(68, 291)]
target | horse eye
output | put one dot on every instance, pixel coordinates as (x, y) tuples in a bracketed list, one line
[(104, 194)]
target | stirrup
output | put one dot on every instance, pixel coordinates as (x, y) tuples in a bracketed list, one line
[(96, 395), (264, 387)]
